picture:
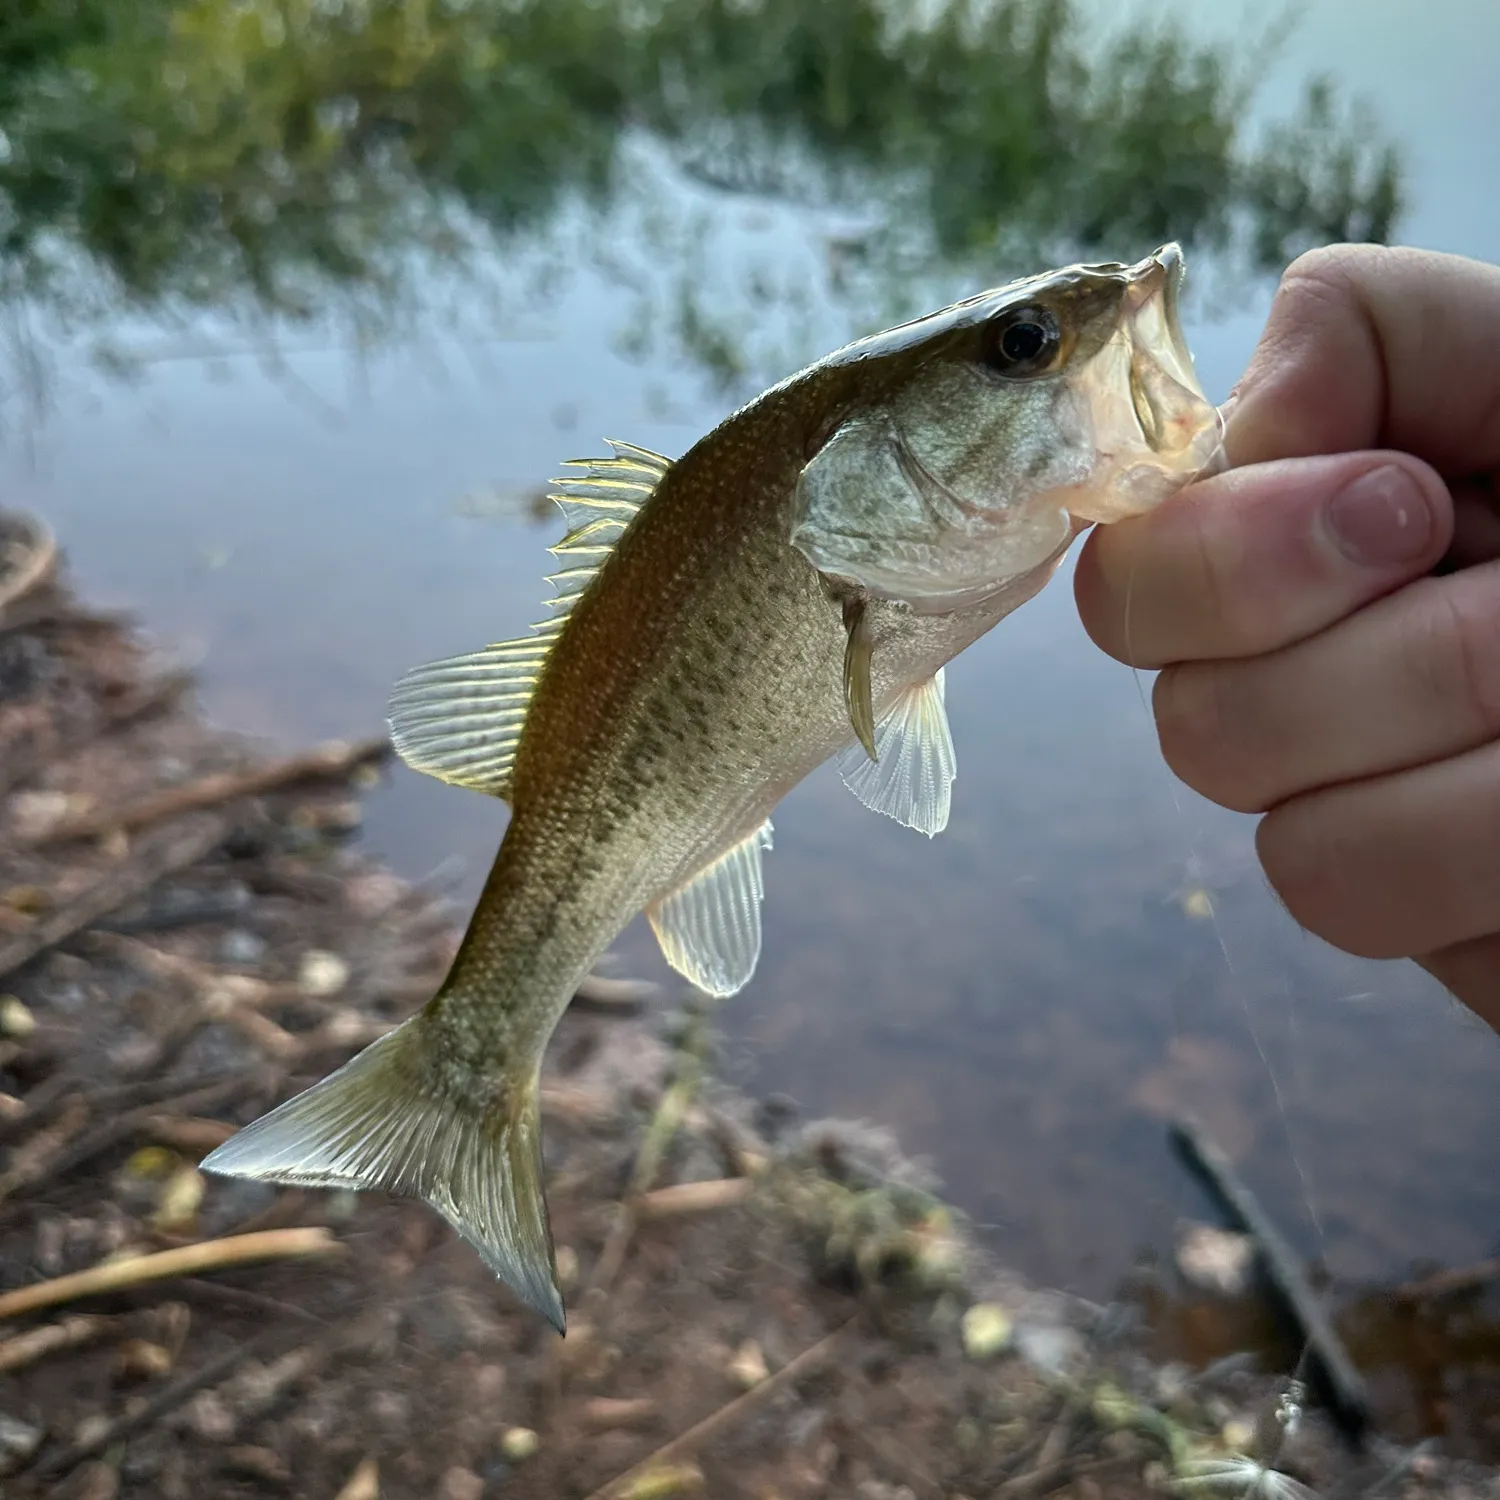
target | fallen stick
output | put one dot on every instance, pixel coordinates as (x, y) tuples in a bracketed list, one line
[(336, 759), (187, 1260), (183, 850), (157, 693), (36, 1156), (37, 1343), (1444, 1283), (693, 1198), (686, 1442), (1348, 1401), (605, 1413)]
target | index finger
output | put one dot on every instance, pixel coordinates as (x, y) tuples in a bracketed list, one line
[(1373, 347)]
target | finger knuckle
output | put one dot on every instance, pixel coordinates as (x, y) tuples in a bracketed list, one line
[(1203, 737), (1455, 654), (1317, 878)]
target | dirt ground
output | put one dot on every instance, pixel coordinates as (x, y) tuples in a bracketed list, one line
[(759, 1306)]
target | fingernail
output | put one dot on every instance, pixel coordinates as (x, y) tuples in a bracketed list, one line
[(1381, 519)]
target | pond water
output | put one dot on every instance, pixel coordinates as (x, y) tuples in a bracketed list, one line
[(1025, 999)]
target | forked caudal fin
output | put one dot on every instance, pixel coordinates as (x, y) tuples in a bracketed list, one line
[(385, 1120)]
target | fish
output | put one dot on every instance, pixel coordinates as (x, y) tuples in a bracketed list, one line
[(787, 592)]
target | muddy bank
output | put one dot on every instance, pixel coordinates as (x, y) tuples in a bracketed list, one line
[(759, 1305)]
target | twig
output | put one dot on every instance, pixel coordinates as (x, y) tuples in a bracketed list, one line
[(184, 849), (603, 1413), (1346, 1388), (72, 1153), (1444, 1283), (157, 693), (693, 1198), (686, 1442), (37, 566), (187, 1260), (169, 1399), (333, 760), (36, 1157), (37, 1343), (188, 1133)]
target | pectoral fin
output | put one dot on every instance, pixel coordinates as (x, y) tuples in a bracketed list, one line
[(709, 929), (910, 777), (858, 650)]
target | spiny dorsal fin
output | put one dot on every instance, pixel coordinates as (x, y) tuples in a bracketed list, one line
[(911, 777), (460, 719), (709, 929)]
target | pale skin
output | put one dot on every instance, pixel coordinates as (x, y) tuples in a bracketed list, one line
[(1326, 614)]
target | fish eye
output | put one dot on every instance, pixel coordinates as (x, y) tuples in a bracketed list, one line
[(1023, 342)]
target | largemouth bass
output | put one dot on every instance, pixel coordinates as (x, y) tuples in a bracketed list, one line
[(786, 591)]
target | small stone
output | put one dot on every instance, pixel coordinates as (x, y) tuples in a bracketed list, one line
[(91, 1430), (665, 1480), (241, 947), (15, 1019), (489, 1384), (140, 1359), (987, 1330), (460, 1484), (322, 973), (748, 1367), (36, 812), (1216, 1260), (1237, 1435), (18, 1441), (210, 1418), (179, 1200), (519, 1443)]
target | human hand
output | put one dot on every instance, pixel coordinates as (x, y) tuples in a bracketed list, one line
[(1314, 667)]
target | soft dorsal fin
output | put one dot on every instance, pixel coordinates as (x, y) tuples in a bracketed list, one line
[(709, 929), (911, 777), (460, 719)]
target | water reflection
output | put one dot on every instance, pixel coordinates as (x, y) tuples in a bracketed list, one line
[(710, 189), (310, 159)]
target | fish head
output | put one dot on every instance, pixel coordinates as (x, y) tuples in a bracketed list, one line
[(982, 438)]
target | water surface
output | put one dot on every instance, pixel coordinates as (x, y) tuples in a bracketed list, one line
[(1024, 999)]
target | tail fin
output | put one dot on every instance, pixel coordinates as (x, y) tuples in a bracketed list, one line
[(386, 1120)]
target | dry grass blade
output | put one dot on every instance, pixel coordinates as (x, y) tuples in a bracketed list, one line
[(186, 1260), (328, 761), (684, 1444)]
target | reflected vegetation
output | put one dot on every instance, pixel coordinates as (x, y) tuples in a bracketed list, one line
[(296, 161)]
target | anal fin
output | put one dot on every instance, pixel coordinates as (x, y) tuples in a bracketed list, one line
[(911, 777), (709, 929)]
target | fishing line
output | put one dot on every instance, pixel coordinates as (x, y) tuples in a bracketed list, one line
[(1293, 1392)]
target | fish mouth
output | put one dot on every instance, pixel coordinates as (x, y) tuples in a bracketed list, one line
[(1165, 393)]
